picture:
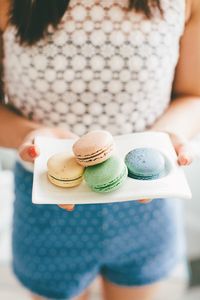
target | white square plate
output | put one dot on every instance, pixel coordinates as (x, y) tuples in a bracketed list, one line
[(174, 185)]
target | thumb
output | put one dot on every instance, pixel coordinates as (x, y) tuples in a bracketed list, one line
[(183, 149), (185, 154)]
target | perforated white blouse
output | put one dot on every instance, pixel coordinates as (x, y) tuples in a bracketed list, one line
[(104, 67)]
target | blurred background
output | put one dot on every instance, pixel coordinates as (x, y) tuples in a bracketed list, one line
[(184, 282)]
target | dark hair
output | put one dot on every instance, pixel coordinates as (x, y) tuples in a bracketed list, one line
[(32, 17)]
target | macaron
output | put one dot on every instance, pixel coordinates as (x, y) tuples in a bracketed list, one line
[(64, 171), (107, 176), (93, 148), (145, 164)]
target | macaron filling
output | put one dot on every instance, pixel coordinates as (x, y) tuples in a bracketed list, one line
[(97, 155), (142, 177), (65, 180)]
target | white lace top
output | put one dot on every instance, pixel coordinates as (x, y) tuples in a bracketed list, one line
[(104, 67)]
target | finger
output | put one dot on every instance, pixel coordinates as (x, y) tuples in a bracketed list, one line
[(68, 207), (183, 148), (185, 158), (145, 201), (178, 141), (29, 152)]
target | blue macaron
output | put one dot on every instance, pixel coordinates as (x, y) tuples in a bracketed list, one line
[(145, 164)]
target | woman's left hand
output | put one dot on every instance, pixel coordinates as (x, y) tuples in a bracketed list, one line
[(185, 153)]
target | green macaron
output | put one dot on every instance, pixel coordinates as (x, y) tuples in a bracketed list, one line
[(107, 176)]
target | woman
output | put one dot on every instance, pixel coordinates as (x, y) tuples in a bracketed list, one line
[(73, 67)]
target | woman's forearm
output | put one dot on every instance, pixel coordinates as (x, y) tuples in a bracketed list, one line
[(182, 117), (13, 128)]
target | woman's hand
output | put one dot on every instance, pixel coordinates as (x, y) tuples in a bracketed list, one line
[(183, 148), (28, 151), (184, 151)]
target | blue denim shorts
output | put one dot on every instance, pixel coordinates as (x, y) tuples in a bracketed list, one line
[(57, 254)]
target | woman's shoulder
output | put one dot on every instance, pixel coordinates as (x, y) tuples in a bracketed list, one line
[(4, 13)]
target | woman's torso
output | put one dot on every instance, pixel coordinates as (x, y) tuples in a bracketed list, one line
[(104, 67)]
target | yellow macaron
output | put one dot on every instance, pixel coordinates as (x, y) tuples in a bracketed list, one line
[(64, 171)]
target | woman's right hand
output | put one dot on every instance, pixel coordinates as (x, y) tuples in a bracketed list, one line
[(28, 151)]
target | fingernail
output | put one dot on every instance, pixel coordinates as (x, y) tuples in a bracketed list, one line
[(70, 209), (32, 152), (145, 201), (183, 160)]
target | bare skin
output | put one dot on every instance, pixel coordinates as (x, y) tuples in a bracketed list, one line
[(82, 297), (181, 121), (114, 292)]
